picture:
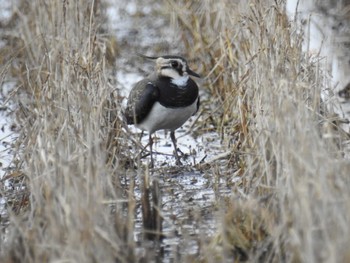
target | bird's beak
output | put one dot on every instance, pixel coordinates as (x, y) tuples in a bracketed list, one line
[(192, 73)]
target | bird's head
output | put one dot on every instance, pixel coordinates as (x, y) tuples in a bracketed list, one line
[(174, 67)]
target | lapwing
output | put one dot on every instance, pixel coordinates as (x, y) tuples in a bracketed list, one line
[(165, 99)]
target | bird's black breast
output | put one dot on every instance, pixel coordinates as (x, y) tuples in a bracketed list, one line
[(173, 96)]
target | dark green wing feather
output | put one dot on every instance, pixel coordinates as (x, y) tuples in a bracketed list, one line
[(140, 102)]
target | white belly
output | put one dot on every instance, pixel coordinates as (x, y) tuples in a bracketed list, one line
[(162, 118)]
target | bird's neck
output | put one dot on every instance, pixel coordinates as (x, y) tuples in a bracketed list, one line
[(180, 81)]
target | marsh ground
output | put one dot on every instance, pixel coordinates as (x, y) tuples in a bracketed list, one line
[(266, 175)]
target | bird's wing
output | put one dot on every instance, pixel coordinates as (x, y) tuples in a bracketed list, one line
[(140, 102)]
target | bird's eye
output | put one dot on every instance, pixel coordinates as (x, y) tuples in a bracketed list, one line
[(174, 64)]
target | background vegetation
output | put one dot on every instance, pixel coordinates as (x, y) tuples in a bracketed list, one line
[(66, 196)]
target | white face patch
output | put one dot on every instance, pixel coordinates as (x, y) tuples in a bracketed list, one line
[(170, 72)]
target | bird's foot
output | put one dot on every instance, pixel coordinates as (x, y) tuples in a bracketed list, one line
[(178, 162), (151, 165), (181, 152)]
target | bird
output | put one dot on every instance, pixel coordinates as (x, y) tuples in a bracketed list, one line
[(165, 99)]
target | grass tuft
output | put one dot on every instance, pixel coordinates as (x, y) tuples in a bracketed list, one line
[(271, 112)]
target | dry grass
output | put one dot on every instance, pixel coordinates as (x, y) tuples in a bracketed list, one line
[(269, 93), (291, 203), (73, 204)]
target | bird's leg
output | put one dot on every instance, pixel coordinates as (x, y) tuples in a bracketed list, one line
[(173, 139), (141, 135), (150, 149), (140, 139), (143, 148)]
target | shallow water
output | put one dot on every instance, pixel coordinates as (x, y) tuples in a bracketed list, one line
[(189, 210), (191, 195), (140, 29)]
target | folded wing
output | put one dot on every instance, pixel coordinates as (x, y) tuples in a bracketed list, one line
[(140, 102)]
